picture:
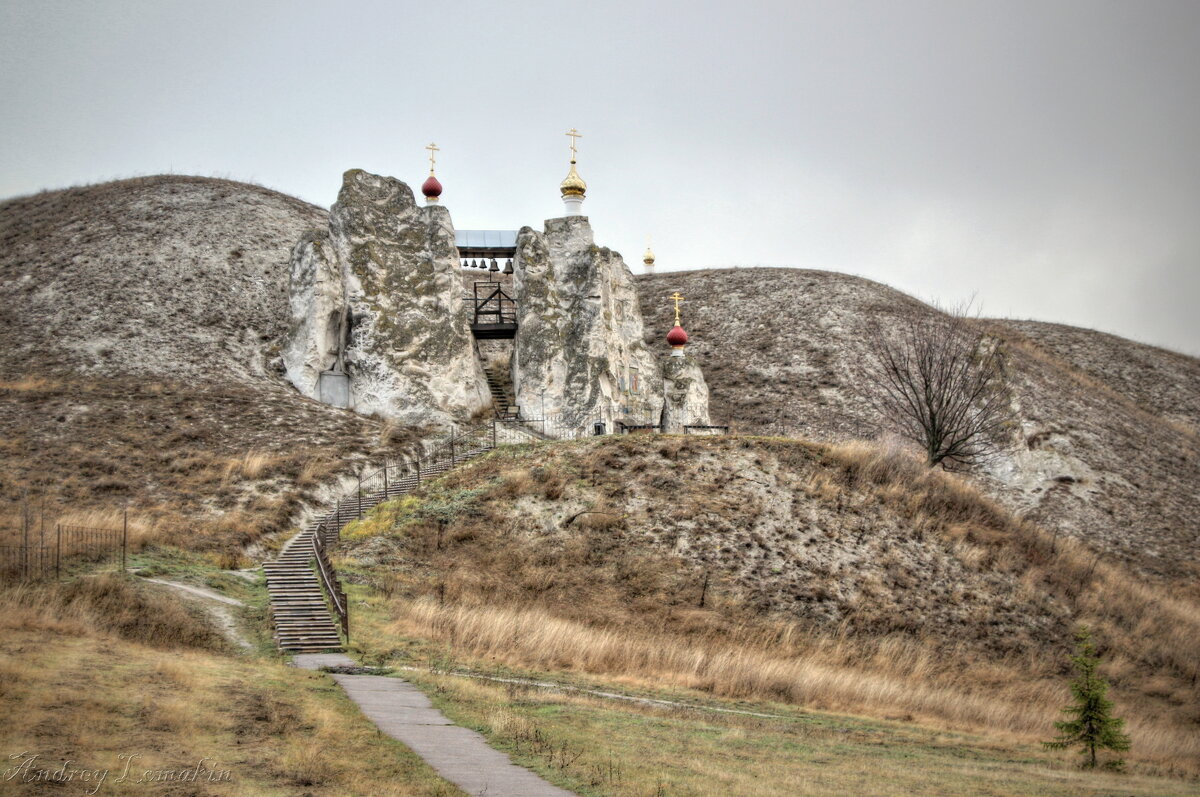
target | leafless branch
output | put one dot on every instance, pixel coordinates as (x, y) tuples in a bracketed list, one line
[(939, 380)]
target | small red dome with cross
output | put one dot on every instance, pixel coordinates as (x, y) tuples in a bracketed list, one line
[(677, 337), (432, 187)]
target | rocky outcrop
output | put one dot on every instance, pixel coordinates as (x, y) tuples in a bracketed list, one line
[(579, 351), (317, 303), (686, 395), (394, 268)]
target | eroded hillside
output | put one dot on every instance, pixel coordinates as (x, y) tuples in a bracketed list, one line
[(1164, 382), (183, 277), (119, 301), (1092, 458), (695, 548), (139, 321)]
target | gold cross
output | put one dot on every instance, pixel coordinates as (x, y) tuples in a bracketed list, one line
[(433, 150), (574, 134), (677, 298)]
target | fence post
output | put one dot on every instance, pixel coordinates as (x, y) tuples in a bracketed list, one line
[(57, 549), (493, 432), (418, 474), (452, 451), (385, 480), (360, 473), (25, 547), (124, 536)]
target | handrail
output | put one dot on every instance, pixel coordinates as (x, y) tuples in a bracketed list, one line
[(327, 531), (330, 583), (459, 446), (436, 454)]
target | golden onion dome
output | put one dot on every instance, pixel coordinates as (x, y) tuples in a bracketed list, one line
[(574, 184), (648, 258)]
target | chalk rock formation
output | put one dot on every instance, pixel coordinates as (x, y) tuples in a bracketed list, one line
[(317, 300), (394, 267), (579, 350), (686, 394)]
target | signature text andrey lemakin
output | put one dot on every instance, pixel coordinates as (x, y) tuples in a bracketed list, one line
[(27, 767)]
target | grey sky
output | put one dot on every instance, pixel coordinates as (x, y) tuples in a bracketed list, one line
[(1042, 156)]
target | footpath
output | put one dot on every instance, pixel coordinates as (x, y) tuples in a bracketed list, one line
[(459, 755)]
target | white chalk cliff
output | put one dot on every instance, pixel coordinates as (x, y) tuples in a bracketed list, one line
[(393, 269)]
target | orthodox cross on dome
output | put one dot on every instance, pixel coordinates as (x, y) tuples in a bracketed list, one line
[(675, 297), (573, 188), (677, 337), (574, 134), (432, 187)]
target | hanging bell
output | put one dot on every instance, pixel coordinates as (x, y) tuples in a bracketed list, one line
[(494, 266), (508, 267)]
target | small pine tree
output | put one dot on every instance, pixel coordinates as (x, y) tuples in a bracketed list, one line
[(1092, 725)]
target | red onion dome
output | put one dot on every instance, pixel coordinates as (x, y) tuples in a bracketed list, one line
[(431, 188), (677, 337)]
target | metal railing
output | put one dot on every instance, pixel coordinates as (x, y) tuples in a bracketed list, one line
[(395, 479), (331, 585), (702, 429)]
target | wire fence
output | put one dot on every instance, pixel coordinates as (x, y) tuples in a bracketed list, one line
[(67, 546), (33, 550)]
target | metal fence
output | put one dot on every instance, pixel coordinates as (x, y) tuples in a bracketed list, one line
[(566, 427), (67, 546)]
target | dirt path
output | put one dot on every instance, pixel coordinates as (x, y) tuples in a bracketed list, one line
[(217, 607), (551, 686), (459, 755)]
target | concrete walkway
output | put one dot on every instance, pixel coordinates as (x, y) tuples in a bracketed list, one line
[(459, 755)]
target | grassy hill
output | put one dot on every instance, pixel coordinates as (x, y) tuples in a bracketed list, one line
[(139, 322), (1107, 451), (835, 577)]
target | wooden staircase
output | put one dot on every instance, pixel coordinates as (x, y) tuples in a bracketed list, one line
[(299, 613), (303, 601), (500, 386)]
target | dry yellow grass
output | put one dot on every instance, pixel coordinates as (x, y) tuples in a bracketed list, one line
[(625, 749), (490, 571), (107, 604), (30, 384), (104, 667), (896, 679), (252, 465)]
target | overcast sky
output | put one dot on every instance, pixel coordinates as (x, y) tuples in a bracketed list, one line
[(1043, 157)]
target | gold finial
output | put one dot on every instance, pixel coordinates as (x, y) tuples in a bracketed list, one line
[(648, 258), (677, 299), (574, 184), (433, 151)]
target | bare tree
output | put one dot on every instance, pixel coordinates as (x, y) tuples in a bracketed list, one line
[(943, 383)]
